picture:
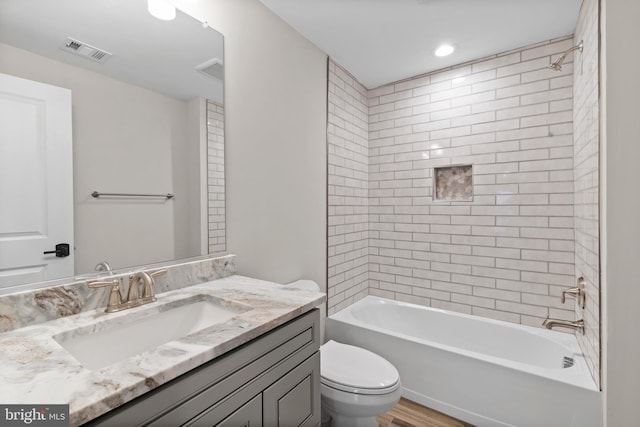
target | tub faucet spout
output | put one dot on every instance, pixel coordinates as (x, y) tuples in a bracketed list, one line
[(577, 325)]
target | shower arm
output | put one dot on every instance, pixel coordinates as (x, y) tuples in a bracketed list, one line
[(557, 64)]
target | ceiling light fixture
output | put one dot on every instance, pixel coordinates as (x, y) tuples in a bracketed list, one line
[(444, 50), (161, 9)]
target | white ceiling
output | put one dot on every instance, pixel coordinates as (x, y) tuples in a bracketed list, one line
[(383, 41), (158, 55)]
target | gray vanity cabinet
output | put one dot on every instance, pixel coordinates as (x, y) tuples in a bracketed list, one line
[(271, 381)]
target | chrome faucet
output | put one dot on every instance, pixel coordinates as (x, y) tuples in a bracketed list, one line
[(577, 325), (104, 266), (134, 298)]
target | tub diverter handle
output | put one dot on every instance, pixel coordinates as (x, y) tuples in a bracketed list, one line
[(578, 292)]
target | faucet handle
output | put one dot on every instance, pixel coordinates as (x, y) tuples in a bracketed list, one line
[(115, 297), (157, 273), (578, 292), (148, 291), (103, 283), (573, 292)]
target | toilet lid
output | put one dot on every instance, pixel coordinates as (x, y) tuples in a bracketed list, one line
[(356, 370)]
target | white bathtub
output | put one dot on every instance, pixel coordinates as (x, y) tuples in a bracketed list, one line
[(486, 372)]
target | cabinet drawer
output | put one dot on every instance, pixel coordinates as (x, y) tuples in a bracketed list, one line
[(248, 415)]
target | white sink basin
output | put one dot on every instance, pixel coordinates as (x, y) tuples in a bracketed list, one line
[(116, 339)]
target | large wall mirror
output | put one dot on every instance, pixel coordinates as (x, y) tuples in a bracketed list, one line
[(147, 120)]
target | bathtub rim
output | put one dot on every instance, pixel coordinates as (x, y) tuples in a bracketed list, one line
[(578, 375)]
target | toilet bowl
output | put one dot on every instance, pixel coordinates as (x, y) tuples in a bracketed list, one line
[(356, 385)]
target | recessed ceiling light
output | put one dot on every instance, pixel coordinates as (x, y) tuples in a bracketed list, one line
[(161, 9), (444, 50)]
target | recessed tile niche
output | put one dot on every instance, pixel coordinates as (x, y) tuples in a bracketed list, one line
[(453, 183)]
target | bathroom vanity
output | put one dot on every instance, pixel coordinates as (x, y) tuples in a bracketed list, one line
[(273, 380), (251, 356)]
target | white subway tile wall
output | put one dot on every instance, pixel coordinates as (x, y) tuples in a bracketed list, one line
[(215, 177), (586, 159), (347, 133), (508, 253), (530, 229)]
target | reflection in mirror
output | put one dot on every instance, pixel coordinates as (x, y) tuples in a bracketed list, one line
[(147, 117)]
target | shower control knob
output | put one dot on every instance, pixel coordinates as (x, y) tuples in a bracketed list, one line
[(578, 292)]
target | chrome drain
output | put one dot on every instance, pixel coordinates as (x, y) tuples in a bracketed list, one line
[(567, 362)]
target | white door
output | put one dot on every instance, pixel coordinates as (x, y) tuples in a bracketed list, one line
[(36, 181)]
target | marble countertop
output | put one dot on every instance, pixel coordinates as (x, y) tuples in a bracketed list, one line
[(35, 369)]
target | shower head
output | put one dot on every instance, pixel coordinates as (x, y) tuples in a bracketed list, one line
[(557, 64)]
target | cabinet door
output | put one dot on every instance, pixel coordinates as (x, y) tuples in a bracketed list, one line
[(294, 400)]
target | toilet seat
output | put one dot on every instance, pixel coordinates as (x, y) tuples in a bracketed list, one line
[(372, 374), (356, 390)]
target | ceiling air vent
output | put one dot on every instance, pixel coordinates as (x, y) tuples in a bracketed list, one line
[(85, 50), (212, 68)]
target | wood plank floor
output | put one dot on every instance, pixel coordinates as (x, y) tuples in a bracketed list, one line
[(410, 414)]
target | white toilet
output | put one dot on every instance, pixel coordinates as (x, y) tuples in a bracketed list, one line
[(356, 385)]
